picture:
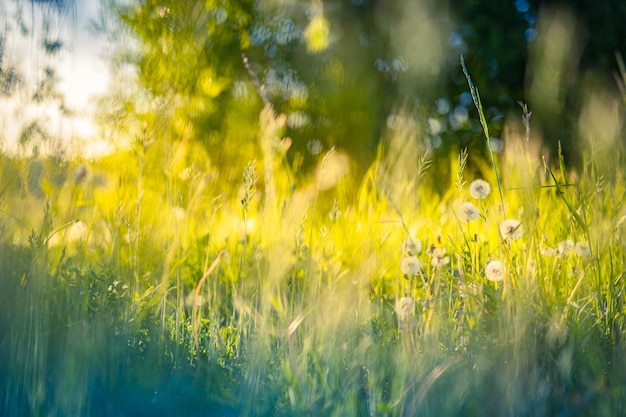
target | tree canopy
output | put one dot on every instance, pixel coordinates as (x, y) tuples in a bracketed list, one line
[(343, 73)]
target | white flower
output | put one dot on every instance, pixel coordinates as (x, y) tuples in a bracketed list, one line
[(411, 246), (494, 271), (405, 308), (479, 189), (582, 249), (410, 265), (439, 258), (547, 251), (511, 229), (468, 212), (563, 248)]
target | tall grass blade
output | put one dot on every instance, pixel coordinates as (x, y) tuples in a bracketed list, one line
[(483, 122)]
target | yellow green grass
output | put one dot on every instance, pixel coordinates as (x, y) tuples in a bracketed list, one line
[(148, 283)]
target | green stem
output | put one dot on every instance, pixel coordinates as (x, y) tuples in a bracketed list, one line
[(483, 122)]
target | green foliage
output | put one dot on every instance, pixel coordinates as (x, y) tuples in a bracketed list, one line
[(314, 65), (190, 62), (352, 86)]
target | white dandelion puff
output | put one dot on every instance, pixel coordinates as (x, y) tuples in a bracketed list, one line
[(582, 249), (468, 212), (511, 229), (494, 271), (547, 251), (563, 248), (411, 246), (410, 265), (479, 189), (439, 258), (405, 308)]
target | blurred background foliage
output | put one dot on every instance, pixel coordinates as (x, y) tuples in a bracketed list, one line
[(346, 74)]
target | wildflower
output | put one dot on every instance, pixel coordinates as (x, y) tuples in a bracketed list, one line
[(410, 265), (582, 249), (494, 271), (563, 248), (547, 251), (411, 246), (468, 212), (405, 308), (439, 258), (479, 189), (511, 229)]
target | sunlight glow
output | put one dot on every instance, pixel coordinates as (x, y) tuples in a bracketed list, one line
[(80, 71)]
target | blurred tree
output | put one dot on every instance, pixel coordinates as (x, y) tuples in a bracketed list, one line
[(511, 48), (335, 70), (340, 71), (190, 64), (493, 38), (601, 28)]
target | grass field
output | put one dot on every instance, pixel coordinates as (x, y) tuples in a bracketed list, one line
[(146, 284)]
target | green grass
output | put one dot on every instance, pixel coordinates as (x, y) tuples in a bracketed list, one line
[(146, 284)]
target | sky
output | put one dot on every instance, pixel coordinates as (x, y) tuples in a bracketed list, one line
[(81, 67)]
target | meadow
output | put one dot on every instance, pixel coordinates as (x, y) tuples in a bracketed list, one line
[(147, 283)]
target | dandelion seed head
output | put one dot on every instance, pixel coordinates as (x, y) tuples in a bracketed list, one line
[(410, 265), (547, 251), (411, 246), (468, 212), (582, 249), (494, 271), (511, 229), (439, 258), (405, 308), (436, 252), (563, 248), (479, 189)]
